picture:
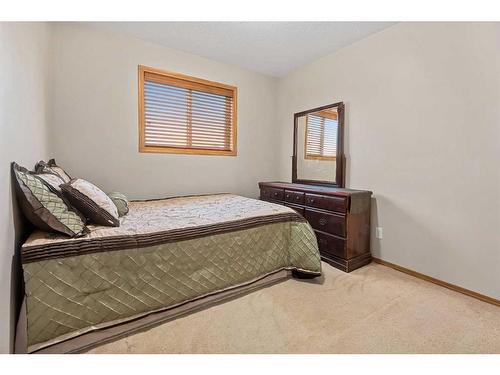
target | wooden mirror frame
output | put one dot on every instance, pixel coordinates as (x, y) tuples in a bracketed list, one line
[(340, 159)]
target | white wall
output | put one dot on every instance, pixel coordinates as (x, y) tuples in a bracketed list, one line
[(423, 133), (23, 129), (94, 128)]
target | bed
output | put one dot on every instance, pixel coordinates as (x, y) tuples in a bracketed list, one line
[(168, 257)]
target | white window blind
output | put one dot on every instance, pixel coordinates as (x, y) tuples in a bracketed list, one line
[(187, 114), (321, 137)]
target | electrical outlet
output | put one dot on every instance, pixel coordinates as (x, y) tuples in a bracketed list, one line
[(379, 232)]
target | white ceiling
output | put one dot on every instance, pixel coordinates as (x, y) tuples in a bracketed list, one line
[(271, 48)]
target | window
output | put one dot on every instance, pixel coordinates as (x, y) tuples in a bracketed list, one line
[(321, 136), (185, 115)]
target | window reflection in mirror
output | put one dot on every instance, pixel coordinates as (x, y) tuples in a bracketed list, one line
[(317, 145)]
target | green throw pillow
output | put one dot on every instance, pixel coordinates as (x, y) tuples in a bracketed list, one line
[(120, 201)]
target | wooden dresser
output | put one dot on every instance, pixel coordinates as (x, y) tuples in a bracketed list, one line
[(340, 218)]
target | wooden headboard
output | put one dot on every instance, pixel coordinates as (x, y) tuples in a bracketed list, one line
[(22, 229)]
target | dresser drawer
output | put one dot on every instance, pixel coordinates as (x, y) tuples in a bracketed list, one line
[(337, 204), (298, 209), (325, 222), (268, 193), (330, 245), (294, 197)]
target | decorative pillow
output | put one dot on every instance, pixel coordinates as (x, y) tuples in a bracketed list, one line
[(120, 201), (52, 180), (44, 208), (92, 202), (52, 167)]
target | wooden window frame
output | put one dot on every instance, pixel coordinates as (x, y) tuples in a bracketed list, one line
[(193, 82), (312, 157)]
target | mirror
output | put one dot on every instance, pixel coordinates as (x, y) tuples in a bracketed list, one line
[(318, 156)]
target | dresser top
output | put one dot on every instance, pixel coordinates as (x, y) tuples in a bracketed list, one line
[(327, 190)]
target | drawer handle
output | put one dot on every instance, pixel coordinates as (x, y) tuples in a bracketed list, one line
[(275, 194), (311, 200), (288, 195), (322, 221), (297, 198)]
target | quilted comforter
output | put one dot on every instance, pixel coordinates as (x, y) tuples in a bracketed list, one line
[(165, 253)]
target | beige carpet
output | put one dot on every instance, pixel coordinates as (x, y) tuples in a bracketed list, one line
[(372, 310)]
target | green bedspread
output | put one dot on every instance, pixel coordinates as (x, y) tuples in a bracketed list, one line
[(165, 253)]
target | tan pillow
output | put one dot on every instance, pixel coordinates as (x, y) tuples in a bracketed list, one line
[(92, 202), (52, 180)]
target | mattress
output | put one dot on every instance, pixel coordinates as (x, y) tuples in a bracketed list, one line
[(165, 253)]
